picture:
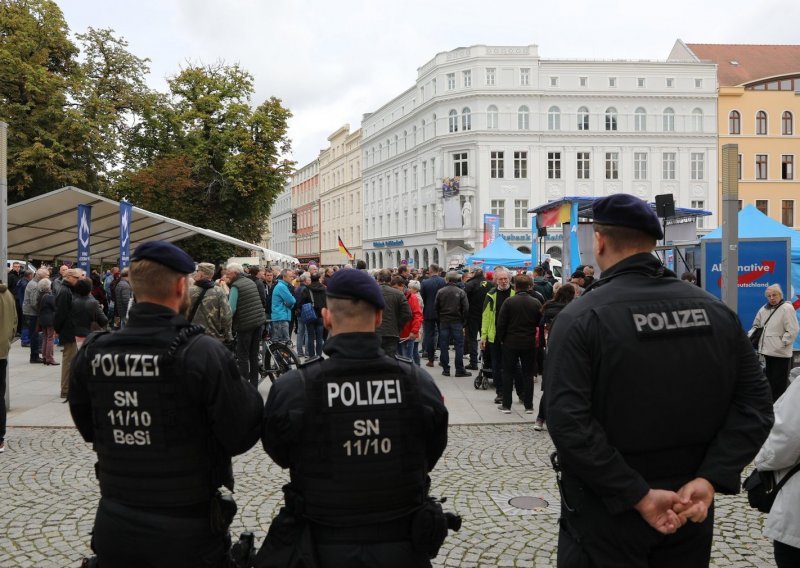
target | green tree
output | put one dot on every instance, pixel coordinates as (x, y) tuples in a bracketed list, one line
[(37, 68)]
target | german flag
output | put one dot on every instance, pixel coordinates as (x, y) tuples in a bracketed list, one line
[(343, 248)]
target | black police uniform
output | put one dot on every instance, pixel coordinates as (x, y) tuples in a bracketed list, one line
[(359, 431), (650, 384), (165, 408)]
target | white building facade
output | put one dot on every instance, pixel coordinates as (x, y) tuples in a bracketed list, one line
[(517, 131), (340, 196), (281, 237)]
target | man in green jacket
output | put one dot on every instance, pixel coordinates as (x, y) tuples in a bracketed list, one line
[(491, 307), (248, 319)]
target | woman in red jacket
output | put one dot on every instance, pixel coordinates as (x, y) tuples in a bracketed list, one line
[(410, 332)]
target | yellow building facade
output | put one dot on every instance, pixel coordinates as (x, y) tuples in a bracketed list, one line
[(758, 109)]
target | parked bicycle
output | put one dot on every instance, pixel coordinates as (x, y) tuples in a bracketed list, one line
[(276, 357)]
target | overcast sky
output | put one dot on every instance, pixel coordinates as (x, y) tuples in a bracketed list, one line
[(331, 61)]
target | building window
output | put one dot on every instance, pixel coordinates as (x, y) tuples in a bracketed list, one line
[(787, 212), (583, 165), (699, 204), (424, 173), (460, 166), (612, 165), (490, 71), (525, 77), (612, 81), (668, 166), (584, 81), (761, 166), (669, 120), (554, 118), (523, 118), (734, 122), (640, 82), (466, 119), (739, 166), (670, 82), (491, 117), (611, 118), (498, 207), (763, 206), (452, 121), (697, 120), (451, 81), (640, 120), (496, 165), (640, 165), (787, 166), (697, 160), (583, 118), (466, 77), (698, 83), (787, 126), (554, 81), (761, 123), (423, 129), (521, 213), (520, 165), (554, 165)]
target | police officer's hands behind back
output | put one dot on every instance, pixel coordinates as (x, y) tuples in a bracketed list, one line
[(657, 509), (700, 494)]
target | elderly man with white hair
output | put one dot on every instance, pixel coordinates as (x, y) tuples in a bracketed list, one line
[(30, 309), (248, 318)]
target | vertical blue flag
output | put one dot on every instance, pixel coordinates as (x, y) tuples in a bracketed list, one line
[(84, 236), (534, 242), (574, 247), (125, 213)]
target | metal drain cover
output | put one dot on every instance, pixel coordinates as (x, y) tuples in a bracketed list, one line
[(528, 503)]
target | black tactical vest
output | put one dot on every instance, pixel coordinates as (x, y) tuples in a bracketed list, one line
[(152, 441), (361, 457)]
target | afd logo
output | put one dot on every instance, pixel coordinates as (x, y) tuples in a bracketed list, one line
[(126, 230), (749, 273), (83, 231)]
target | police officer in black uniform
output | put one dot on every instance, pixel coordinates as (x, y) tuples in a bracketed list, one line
[(655, 402), (359, 431), (165, 408)]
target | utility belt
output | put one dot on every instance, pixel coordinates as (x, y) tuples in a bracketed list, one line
[(391, 531)]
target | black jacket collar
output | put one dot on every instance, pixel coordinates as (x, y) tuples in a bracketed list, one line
[(360, 345), (641, 263)]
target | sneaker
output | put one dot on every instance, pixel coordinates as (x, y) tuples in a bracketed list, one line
[(446, 373), (504, 409), (498, 399), (2, 446), (539, 426), (463, 374), (529, 411)]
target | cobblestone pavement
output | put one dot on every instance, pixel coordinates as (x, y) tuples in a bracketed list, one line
[(48, 495)]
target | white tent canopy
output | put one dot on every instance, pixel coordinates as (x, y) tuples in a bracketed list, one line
[(45, 227)]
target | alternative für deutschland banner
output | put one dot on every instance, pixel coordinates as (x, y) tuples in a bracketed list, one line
[(343, 248)]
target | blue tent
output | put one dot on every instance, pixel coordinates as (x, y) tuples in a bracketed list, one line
[(753, 223), (499, 253)]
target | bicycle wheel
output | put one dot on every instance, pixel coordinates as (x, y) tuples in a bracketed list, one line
[(284, 357)]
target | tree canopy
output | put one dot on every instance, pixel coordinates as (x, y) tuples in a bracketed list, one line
[(80, 113)]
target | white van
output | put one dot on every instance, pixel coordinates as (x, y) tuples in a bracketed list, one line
[(556, 267)]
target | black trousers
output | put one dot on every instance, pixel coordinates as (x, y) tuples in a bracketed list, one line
[(247, 346), (3, 368), (526, 358), (129, 538), (590, 537), (777, 372), (786, 556)]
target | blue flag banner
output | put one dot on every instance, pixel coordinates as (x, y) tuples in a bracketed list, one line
[(534, 242), (84, 236), (125, 214), (574, 247)]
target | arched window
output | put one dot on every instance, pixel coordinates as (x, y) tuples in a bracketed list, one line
[(669, 120), (523, 118), (554, 118), (434, 125), (734, 122), (452, 121), (380, 152), (583, 118), (761, 122), (423, 130), (787, 126), (640, 120), (697, 120), (491, 117), (611, 118), (405, 142), (466, 119), (414, 131)]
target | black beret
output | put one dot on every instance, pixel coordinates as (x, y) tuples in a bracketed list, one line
[(355, 285), (627, 211), (165, 253)]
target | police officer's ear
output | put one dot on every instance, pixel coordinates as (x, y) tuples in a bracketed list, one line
[(598, 244)]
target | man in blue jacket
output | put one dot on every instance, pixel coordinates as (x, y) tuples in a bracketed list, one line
[(283, 301), (428, 289)]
